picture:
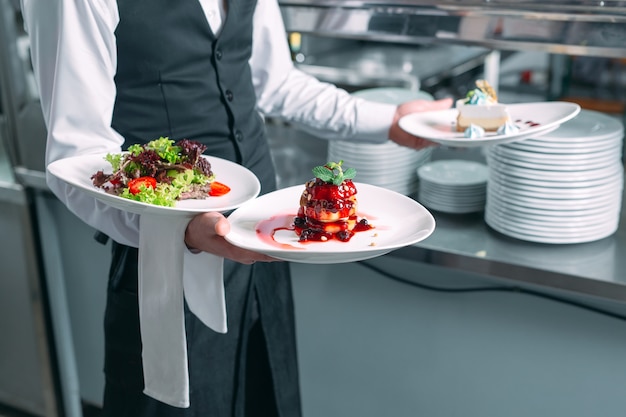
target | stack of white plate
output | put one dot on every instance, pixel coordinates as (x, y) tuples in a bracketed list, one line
[(386, 164), (563, 187), (453, 186)]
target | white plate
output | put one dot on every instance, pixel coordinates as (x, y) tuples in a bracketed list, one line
[(587, 126), (452, 198), (549, 146), (546, 218), (566, 183), (598, 234), (547, 230), (244, 185), (556, 159), (371, 150), (553, 201), (568, 230), (556, 164), (439, 126), (557, 192), (398, 221), (554, 175), (549, 223), (455, 172), (454, 189), (541, 212), (455, 209), (372, 162)]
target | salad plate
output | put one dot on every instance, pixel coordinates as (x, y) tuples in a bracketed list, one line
[(265, 225), (532, 119), (77, 171)]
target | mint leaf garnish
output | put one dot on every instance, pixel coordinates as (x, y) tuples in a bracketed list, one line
[(333, 173)]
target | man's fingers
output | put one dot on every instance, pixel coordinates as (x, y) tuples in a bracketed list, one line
[(222, 226)]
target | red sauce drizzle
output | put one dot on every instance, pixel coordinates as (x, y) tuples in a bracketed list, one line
[(310, 230), (266, 230), (528, 122)]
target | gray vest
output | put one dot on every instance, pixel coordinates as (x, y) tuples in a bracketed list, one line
[(175, 78)]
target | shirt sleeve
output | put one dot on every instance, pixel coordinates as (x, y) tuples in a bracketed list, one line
[(285, 92), (74, 60)]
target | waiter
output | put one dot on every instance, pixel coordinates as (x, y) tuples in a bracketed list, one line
[(116, 72)]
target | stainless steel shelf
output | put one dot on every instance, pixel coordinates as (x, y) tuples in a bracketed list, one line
[(586, 28)]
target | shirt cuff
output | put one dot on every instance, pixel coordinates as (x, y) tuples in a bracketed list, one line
[(374, 121)]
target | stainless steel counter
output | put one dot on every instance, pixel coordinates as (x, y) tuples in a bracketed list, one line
[(466, 243), (585, 27)]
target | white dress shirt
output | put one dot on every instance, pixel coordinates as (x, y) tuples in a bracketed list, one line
[(73, 50)]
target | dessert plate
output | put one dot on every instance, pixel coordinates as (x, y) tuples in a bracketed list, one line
[(265, 225), (533, 119), (244, 185)]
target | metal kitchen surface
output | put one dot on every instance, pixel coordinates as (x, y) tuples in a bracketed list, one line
[(591, 28)]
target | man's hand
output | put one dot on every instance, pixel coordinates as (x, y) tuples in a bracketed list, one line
[(403, 138), (206, 231)]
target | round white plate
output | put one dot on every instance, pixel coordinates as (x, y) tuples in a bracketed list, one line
[(372, 163), (454, 209), (372, 149), (547, 183), (587, 126), (244, 185), (607, 185), (440, 126), (554, 175), (548, 219), (464, 198), (434, 194), (426, 200), (550, 237), (556, 165), (541, 212), (455, 172), (549, 229), (549, 146), (568, 231), (398, 221), (554, 158), (554, 201)]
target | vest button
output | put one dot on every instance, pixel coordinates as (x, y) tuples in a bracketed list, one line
[(229, 95), (238, 136), (218, 54)]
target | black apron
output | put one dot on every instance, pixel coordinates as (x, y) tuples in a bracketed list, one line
[(176, 79)]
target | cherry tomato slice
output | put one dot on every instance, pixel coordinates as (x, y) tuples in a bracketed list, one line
[(136, 185), (218, 189)]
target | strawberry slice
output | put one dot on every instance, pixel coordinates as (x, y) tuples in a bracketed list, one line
[(218, 189)]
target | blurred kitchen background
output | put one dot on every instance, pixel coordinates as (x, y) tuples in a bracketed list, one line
[(547, 335)]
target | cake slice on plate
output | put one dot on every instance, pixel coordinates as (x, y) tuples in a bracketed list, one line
[(480, 107)]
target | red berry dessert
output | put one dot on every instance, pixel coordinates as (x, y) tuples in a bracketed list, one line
[(328, 205)]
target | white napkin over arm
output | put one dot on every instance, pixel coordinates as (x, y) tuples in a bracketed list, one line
[(168, 274)]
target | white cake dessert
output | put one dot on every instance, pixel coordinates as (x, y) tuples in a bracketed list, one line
[(481, 108)]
